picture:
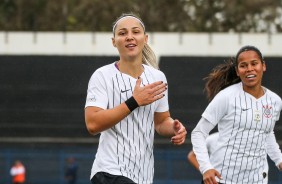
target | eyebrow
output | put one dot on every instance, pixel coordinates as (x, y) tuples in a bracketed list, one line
[(131, 28), (249, 61)]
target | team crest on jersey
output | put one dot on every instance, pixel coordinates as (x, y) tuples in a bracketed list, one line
[(267, 111)]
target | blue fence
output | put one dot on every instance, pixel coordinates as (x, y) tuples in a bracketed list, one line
[(46, 165)]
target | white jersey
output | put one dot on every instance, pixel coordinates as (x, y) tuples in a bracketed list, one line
[(211, 142), (127, 148), (244, 124)]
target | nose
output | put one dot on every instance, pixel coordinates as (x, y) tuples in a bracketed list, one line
[(129, 37), (249, 67)]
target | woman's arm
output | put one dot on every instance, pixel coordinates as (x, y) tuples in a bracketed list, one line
[(168, 127), (191, 157), (273, 150), (198, 138), (98, 119)]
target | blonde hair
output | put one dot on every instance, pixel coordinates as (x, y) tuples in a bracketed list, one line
[(148, 55)]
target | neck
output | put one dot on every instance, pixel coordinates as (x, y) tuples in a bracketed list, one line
[(257, 92), (133, 69)]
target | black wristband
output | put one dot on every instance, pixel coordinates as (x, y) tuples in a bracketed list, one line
[(131, 103)]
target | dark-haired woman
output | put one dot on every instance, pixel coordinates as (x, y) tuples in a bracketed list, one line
[(246, 113)]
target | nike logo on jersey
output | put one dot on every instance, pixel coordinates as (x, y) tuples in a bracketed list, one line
[(123, 91), (245, 109)]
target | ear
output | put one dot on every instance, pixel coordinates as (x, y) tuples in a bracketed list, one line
[(146, 38), (263, 66), (113, 42)]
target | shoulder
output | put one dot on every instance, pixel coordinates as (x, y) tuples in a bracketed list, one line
[(234, 88), (276, 99), (222, 100), (153, 71), (228, 92), (102, 74), (106, 68), (272, 94)]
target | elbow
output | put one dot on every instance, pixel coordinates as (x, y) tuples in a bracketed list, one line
[(157, 129), (92, 128), (92, 131), (91, 122)]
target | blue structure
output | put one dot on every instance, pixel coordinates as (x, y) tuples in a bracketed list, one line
[(45, 165)]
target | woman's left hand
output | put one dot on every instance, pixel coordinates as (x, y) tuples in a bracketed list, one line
[(180, 133)]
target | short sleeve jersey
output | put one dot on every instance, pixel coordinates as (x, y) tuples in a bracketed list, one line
[(244, 123), (127, 148)]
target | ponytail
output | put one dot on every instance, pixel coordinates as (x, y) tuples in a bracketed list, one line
[(225, 75), (149, 57), (221, 77)]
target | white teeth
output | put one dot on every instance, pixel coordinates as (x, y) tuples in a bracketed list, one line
[(250, 76)]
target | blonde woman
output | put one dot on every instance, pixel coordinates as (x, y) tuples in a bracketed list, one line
[(127, 102)]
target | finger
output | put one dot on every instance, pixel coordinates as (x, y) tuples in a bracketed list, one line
[(138, 82), (182, 130), (159, 89), (176, 125), (155, 84), (157, 97), (158, 94), (180, 135), (178, 142), (214, 181), (218, 174), (179, 139), (179, 128), (208, 181)]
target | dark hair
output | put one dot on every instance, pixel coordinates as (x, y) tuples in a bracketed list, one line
[(248, 48), (225, 74)]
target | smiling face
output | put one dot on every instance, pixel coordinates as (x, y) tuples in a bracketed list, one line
[(250, 69), (129, 38)]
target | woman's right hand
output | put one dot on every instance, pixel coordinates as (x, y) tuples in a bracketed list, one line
[(209, 176), (148, 94)]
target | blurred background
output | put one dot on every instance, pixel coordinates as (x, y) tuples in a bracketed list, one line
[(50, 48)]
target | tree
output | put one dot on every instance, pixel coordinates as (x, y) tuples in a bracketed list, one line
[(158, 15)]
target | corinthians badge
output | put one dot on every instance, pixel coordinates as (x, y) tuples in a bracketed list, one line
[(267, 111)]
